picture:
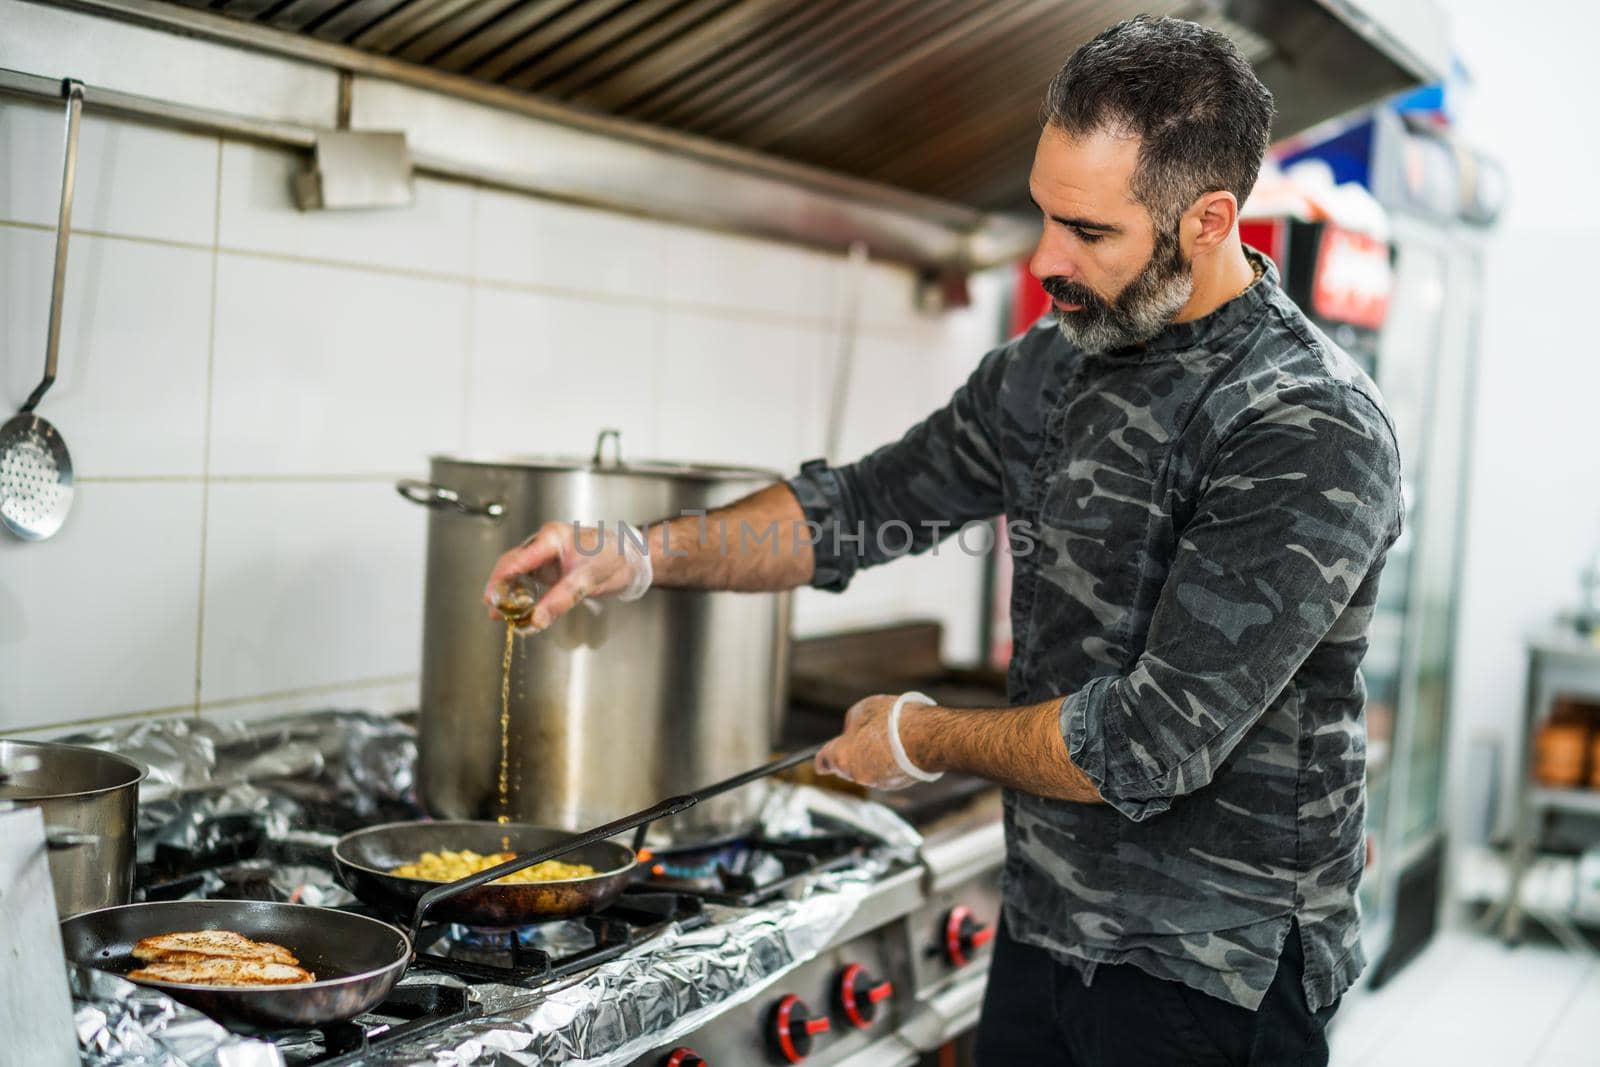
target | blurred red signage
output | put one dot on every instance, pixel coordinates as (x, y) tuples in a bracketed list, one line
[(1353, 278)]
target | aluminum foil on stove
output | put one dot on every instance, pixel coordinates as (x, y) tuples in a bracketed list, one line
[(121, 1023), (793, 811), (334, 769)]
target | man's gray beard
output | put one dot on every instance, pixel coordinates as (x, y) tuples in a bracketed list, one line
[(1146, 307)]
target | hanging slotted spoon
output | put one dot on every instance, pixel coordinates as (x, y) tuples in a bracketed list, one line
[(35, 467)]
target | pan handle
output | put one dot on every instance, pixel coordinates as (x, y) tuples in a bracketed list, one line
[(73, 91), (661, 810)]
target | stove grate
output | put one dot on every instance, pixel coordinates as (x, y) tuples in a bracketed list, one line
[(410, 1011), (515, 957), (754, 870)]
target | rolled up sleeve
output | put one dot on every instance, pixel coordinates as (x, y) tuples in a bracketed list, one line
[(1301, 502), (904, 497)]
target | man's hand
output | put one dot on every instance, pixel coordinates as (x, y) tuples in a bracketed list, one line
[(1017, 747), (573, 565), (862, 754), (679, 555)]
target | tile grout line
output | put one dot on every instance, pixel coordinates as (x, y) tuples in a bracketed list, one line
[(292, 477), (227, 702), (205, 447), (464, 427), (312, 690), (658, 376), (121, 479), (107, 235), (72, 725)]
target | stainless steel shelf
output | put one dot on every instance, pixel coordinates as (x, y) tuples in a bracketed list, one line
[(1585, 801)]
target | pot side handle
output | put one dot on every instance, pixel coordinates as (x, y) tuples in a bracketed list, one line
[(61, 838), (439, 498)]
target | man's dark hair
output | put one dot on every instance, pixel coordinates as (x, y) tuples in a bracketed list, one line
[(1202, 117)]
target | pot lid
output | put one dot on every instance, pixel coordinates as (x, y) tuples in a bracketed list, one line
[(607, 459)]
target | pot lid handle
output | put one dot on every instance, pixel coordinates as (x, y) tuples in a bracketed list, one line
[(615, 437)]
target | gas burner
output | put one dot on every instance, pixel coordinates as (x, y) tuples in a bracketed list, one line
[(515, 955), (409, 1012), (752, 870), (709, 870), (534, 955), (559, 937)]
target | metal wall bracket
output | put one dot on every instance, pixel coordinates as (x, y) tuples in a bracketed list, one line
[(355, 169)]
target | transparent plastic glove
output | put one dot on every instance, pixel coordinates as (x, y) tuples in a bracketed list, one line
[(573, 565), (869, 751)]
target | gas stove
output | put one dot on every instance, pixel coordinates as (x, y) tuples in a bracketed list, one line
[(835, 942), (903, 975)]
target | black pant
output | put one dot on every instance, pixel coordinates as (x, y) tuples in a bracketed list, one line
[(1039, 1012)]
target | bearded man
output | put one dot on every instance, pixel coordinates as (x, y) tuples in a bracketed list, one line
[(1211, 487)]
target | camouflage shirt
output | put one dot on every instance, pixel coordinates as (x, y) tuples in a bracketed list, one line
[(1206, 519)]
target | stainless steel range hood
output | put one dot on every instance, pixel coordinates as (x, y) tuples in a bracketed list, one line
[(928, 108)]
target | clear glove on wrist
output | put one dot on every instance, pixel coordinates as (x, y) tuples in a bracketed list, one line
[(641, 571), (911, 770)]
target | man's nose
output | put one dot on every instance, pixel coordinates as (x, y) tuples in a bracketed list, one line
[(1049, 259)]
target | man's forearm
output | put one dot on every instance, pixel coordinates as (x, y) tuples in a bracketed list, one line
[(1017, 747), (757, 544)]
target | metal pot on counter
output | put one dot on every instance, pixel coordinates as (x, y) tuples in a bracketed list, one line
[(614, 706), (89, 800)]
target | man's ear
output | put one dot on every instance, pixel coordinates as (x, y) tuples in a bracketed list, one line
[(1209, 221)]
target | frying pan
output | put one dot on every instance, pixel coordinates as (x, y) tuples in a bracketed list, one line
[(356, 960), (364, 858)]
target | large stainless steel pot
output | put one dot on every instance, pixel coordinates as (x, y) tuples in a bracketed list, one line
[(90, 803), (616, 705)]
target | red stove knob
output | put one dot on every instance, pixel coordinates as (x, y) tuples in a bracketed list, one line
[(860, 993), (964, 934), (683, 1057), (792, 1028)]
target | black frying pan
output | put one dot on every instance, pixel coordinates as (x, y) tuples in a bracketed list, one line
[(356, 960), (365, 858)]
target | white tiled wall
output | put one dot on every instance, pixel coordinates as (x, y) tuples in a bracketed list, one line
[(319, 369), (131, 385), (308, 584), (241, 383), (544, 368), (132, 181), (102, 619)]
